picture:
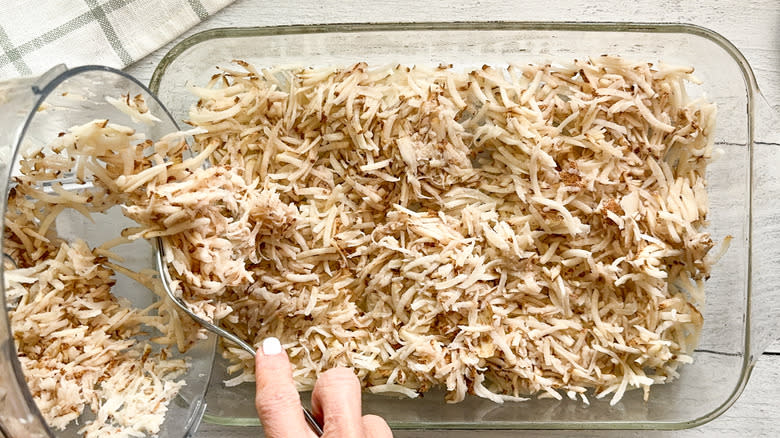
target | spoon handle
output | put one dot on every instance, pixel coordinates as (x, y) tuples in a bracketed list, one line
[(165, 277)]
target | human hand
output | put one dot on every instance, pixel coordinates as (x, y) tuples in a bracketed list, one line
[(335, 401)]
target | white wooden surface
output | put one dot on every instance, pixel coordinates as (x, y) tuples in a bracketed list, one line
[(753, 26)]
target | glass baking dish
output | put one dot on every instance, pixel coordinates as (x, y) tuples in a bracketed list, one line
[(738, 315)]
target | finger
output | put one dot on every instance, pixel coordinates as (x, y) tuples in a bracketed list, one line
[(336, 400), (376, 427), (276, 399)]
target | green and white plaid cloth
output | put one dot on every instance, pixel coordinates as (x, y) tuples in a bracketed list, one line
[(36, 35)]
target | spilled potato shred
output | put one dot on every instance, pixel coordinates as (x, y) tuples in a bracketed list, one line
[(501, 232)]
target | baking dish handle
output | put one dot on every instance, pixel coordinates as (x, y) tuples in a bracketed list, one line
[(764, 304)]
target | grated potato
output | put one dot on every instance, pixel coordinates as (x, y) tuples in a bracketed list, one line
[(80, 347), (502, 232)]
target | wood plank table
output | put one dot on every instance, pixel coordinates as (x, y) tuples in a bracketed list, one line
[(754, 27)]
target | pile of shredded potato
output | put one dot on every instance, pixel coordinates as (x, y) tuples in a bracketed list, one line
[(502, 232), (79, 345), (536, 229)]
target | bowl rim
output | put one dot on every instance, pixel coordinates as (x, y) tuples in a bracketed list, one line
[(748, 355)]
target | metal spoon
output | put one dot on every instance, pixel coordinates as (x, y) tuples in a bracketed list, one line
[(165, 277)]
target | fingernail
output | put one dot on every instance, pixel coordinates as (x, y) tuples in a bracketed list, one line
[(271, 346)]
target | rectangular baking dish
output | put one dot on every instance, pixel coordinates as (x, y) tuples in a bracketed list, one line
[(734, 332)]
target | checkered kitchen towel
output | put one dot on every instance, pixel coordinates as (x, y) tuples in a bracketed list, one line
[(36, 35)]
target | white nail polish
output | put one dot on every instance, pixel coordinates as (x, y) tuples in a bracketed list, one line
[(271, 346)]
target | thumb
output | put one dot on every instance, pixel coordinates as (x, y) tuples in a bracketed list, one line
[(276, 399)]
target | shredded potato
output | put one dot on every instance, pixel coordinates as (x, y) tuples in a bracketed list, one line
[(81, 347), (501, 232)]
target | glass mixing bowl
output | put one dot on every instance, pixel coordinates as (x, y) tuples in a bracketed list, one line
[(32, 112), (741, 310)]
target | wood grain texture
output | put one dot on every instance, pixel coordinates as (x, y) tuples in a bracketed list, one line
[(753, 27)]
